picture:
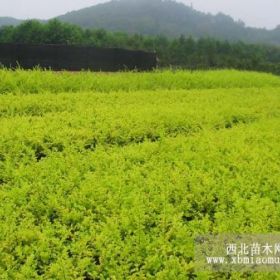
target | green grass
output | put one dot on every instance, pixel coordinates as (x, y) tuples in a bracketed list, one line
[(118, 185)]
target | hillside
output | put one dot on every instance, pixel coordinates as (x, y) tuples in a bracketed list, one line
[(156, 17), (163, 17), (9, 21)]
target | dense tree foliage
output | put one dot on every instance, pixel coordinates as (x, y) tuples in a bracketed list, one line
[(163, 17), (169, 18), (184, 52)]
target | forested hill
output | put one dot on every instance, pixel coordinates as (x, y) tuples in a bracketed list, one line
[(163, 17), (9, 21), (169, 18)]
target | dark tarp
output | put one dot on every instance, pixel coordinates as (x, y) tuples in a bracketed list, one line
[(74, 58)]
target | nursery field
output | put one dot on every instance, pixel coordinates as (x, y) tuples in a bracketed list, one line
[(112, 176)]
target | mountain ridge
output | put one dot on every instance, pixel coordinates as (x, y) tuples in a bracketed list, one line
[(165, 17), (9, 21)]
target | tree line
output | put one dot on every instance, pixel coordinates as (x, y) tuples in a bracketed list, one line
[(183, 52)]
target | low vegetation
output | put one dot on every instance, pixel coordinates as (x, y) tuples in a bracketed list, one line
[(112, 176)]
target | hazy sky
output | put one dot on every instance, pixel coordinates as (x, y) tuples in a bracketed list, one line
[(260, 13)]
